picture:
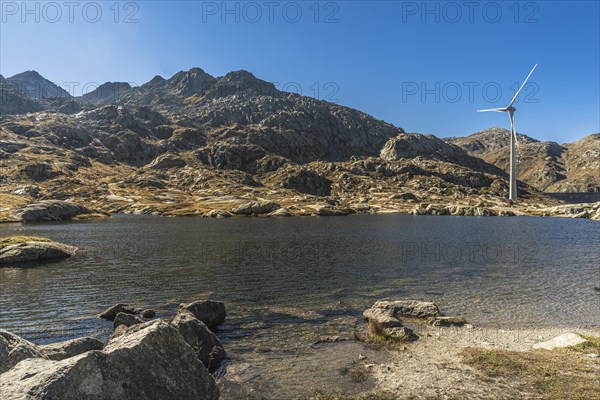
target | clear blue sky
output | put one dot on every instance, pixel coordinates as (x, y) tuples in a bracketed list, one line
[(372, 56)]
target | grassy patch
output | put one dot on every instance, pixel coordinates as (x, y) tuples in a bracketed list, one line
[(378, 337), (6, 217), (322, 396), (591, 346), (82, 217), (9, 241), (550, 375)]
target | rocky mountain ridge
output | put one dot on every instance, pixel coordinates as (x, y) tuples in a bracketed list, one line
[(547, 166), (194, 144)]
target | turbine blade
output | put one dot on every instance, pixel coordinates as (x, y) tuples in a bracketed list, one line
[(493, 109), (522, 86)]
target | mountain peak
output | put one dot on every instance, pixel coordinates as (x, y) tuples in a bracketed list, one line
[(107, 93), (188, 83), (35, 86)]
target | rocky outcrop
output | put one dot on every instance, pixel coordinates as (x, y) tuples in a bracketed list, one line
[(126, 320), (411, 145), (33, 251), (404, 308), (71, 348), (206, 345), (14, 349), (255, 208), (304, 180), (167, 161), (151, 363), (40, 171), (232, 155), (51, 210), (211, 312), (217, 214)]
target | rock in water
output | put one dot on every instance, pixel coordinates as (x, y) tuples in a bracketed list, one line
[(153, 363), (207, 346), (71, 348), (35, 252), (111, 312), (212, 313), (410, 308), (566, 340), (447, 321), (14, 349)]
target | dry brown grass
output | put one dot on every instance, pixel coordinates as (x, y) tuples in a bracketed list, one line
[(550, 375), (9, 241)]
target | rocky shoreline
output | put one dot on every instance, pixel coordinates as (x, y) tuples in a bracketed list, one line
[(144, 358), (419, 353), (231, 206)]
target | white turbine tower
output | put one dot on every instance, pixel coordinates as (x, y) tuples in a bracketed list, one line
[(513, 138)]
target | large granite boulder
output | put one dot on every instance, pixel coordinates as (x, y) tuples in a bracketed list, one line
[(384, 317), (167, 161), (70, 348), (33, 251), (150, 363), (307, 181), (14, 349), (127, 320), (206, 345), (211, 312), (408, 308), (51, 210)]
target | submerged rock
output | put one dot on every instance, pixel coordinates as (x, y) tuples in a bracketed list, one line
[(14, 349), (212, 313), (63, 350), (447, 321), (33, 251), (152, 363), (206, 345)]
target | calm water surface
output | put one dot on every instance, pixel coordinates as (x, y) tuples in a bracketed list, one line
[(296, 277)]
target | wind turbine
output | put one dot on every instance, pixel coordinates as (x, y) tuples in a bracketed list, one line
[(512, 195)]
